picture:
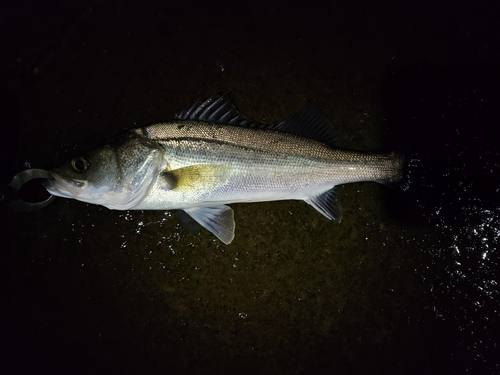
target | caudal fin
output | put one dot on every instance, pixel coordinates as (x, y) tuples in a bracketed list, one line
[(413, 189)]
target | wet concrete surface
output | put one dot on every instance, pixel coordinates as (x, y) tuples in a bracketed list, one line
[(393, 288)]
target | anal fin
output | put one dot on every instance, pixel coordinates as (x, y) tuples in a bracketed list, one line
[(327, 204)]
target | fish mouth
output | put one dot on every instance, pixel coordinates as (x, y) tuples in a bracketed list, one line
[(64, 187)]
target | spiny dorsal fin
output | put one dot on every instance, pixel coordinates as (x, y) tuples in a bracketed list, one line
[(220, 109)]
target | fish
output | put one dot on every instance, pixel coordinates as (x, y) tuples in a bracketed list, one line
[(211, 155)]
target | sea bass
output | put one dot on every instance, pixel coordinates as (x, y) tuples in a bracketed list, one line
[(211, 156)]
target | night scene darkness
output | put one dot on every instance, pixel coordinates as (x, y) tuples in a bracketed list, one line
[(406, 283)]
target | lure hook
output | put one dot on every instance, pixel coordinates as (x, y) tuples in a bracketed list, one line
[(16, 203)]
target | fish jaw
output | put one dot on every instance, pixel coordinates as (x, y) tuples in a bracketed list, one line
[(118, 175), (65, 188), (118, 198)]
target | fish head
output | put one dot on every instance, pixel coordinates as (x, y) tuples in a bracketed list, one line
[(117, 175)]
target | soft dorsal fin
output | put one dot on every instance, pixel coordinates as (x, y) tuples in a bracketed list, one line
[(220, 109), (310, 122)]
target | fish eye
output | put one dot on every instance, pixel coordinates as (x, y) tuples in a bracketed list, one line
[(80, 164)]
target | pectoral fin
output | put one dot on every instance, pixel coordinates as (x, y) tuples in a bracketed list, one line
[(217, 219), (201, 176)]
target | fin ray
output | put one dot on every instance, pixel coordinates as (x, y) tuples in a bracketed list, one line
[(310, 122), (220, 109), (217, 219), (327, 204)]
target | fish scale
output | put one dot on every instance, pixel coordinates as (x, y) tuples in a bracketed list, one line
[(198, 164)]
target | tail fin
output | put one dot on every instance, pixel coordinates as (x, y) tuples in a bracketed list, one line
[(411, 190), (411, 174)]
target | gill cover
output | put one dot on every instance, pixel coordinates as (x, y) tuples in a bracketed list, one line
[(117, 175)]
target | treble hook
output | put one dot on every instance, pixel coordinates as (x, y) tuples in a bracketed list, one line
[(16, 203)]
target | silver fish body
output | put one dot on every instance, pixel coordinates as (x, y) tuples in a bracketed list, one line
[(212, 156)]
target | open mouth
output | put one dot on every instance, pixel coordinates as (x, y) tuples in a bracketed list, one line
[(64, 187)]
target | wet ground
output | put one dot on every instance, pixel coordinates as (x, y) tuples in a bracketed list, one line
[(404, 284)]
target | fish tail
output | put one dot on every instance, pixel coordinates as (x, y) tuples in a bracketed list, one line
[(411, 175), (412, 187), (407, 177), (394, 171)]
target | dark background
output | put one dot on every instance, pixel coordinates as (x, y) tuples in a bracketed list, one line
[(403, 285)]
